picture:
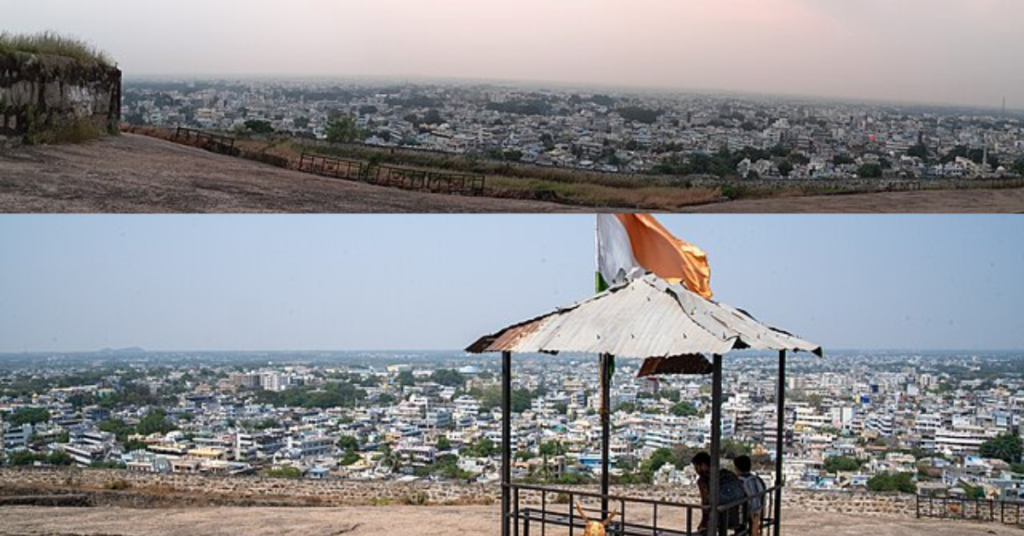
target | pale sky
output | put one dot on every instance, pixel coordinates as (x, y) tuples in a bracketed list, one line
[(937, 51), (397, 282)]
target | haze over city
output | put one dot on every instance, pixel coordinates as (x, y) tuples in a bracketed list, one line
[(421, 282), (932, 51)]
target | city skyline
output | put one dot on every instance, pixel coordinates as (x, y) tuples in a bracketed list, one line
[(344, 283), (948, 52)]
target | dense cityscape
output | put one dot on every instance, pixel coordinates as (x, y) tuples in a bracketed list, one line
[(931, 422), (637, 132)]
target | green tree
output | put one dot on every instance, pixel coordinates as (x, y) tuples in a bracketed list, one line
[(481, 449), (902, 482), (22, 458), (155, 422), (835, 464), (342, 129), (657, 459), (870, 171), (1018, 166), (285, 472), (59, 459), (1006, 447), (257, 126), (443, 443), (349, 458), (348, 443), (406, 378), (918, 150), (683, 409), (785, 168), (29, 416), (627, 407), (448, 377)]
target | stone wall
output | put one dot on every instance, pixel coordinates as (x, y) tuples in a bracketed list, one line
[(42, 96), (147, 489)]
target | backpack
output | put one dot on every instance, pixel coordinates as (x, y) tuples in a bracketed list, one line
[(754, 487)]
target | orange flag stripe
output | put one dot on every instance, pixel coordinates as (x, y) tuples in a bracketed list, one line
[(672, 259)]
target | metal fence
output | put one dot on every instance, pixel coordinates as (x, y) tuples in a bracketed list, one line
[(211, 142), (988, 510), (393, 176), (552, 512)]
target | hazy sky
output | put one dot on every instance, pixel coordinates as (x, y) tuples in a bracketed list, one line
[(438, 282), (957, 51)]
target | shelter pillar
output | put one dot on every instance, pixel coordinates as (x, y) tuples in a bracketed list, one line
[(716, 443), (506, 441), (780, 442), (606, 434)]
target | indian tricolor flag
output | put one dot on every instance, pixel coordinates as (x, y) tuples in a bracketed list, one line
[(629, 241)]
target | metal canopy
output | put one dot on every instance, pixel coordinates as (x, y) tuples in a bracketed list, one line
[(643, 318)]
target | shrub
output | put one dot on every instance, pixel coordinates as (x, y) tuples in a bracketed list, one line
[(54, 44), (117, 484)]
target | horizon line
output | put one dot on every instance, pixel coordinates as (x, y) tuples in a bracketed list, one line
[(449, 350)]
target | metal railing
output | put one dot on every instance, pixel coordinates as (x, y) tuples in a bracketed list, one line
[(550, 508), (211, 142), (392, 176), (988, 510)]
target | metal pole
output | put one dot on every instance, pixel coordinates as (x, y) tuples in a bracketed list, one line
[(506, 439), (606, 432), (716, 443), (780, 400)]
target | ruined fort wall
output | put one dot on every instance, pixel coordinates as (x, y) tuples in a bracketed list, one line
[(44, 96), (147, 489)]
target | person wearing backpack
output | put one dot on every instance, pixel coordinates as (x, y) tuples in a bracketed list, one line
[(754, 487)]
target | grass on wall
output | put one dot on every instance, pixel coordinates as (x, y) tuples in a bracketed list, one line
[(54, 44)]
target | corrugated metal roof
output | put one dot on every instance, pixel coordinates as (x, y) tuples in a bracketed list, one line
[(647, 317)]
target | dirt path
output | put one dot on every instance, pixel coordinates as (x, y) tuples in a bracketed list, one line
[(130, 174), (397, 520)]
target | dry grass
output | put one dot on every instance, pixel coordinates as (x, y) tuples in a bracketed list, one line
[(54, 44)]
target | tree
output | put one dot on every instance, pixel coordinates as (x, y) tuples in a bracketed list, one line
[(257, 126), (406, 379), (627, 407), (835, 464), (683, 409), (349, 458), (443, 443), (870, 171), (60, 459), (449, 377), (918, 150), (1018, 166), (657, 459), (348, 443), (285, 472), (155, 422), (902, 482), (785, 168), (29, 416), (481, 449), (1006, 447), (342, 129), (301, 123)]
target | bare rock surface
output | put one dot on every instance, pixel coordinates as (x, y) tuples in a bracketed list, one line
[(133, 174), (403, 520)]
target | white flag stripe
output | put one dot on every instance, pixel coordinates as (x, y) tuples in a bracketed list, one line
[(614, 251)]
